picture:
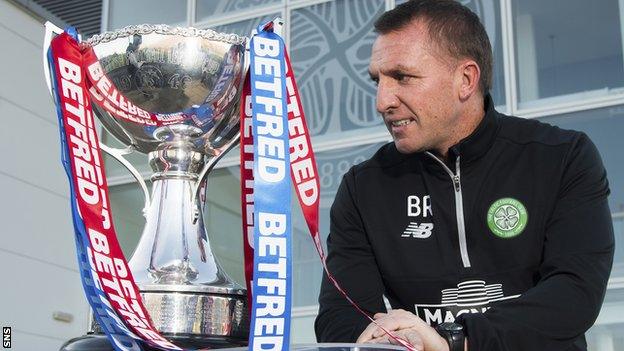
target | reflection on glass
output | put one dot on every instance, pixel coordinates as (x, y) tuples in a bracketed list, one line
[(124, 13), (557, 54), (207, 9), (330, 46)]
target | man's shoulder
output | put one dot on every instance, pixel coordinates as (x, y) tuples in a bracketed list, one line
[(526, 131)]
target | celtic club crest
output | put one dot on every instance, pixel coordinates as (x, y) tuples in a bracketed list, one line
[(507, 217)]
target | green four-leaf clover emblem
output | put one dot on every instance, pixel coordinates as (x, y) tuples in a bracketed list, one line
[(507, 217)]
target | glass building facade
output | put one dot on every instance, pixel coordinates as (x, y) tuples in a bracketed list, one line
[(558, 61)]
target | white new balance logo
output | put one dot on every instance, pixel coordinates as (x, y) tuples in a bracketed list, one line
[(419, 231)]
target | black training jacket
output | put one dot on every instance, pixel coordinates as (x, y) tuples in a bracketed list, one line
[(512, 237)]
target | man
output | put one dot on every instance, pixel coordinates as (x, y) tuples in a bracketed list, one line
[(493, 229)]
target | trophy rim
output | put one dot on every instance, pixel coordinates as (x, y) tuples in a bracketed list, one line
[(144, 29)]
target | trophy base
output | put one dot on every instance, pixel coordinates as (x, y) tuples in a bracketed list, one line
[(99, 342), (196, 317), (205, 315)]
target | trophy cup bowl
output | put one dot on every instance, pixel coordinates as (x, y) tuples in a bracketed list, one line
[(190, 80), (176, 73)]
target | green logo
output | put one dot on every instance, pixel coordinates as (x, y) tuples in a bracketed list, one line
[(507, 217)]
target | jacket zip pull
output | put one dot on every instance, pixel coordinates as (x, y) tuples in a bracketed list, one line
[(456, 183)]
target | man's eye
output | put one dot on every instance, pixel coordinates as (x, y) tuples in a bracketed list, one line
[(403, 78), (375, 80)]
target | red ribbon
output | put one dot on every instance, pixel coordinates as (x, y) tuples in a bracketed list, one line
[(107, 261)]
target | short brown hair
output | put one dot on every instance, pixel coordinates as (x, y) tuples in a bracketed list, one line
[(451, 25)]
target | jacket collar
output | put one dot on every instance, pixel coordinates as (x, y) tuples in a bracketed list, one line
[(479, 142)]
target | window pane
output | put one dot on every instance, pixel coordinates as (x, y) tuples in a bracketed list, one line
[(606, 337), (330, 47), (618, 262), (559, 53), (489, 13), (207, 9), (608, 332), (123, 13), (605, 127), (127, 205), (116, 169), (244, 28), (222, 218)]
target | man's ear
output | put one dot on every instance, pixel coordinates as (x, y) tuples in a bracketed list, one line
[(469, 77)]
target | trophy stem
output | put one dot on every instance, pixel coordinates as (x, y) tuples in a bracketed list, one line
[(173, 250)]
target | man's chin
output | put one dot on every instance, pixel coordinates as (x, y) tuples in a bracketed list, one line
[(407, 148)]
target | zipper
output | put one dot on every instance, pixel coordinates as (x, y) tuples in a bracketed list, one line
[(459, 208)]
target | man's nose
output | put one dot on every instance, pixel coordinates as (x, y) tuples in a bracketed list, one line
[(387, 99)]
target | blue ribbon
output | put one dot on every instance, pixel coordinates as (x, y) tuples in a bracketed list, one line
[(272, 283)]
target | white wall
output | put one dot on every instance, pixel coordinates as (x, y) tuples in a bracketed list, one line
[(37, 253)]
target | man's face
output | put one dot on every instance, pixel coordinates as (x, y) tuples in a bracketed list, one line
[(417, 89)]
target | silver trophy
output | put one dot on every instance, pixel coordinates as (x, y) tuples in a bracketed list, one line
[(192, 80)]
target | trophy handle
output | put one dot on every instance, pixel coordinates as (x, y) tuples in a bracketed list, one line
[(196, 189), (117, 154), (52, 30)]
